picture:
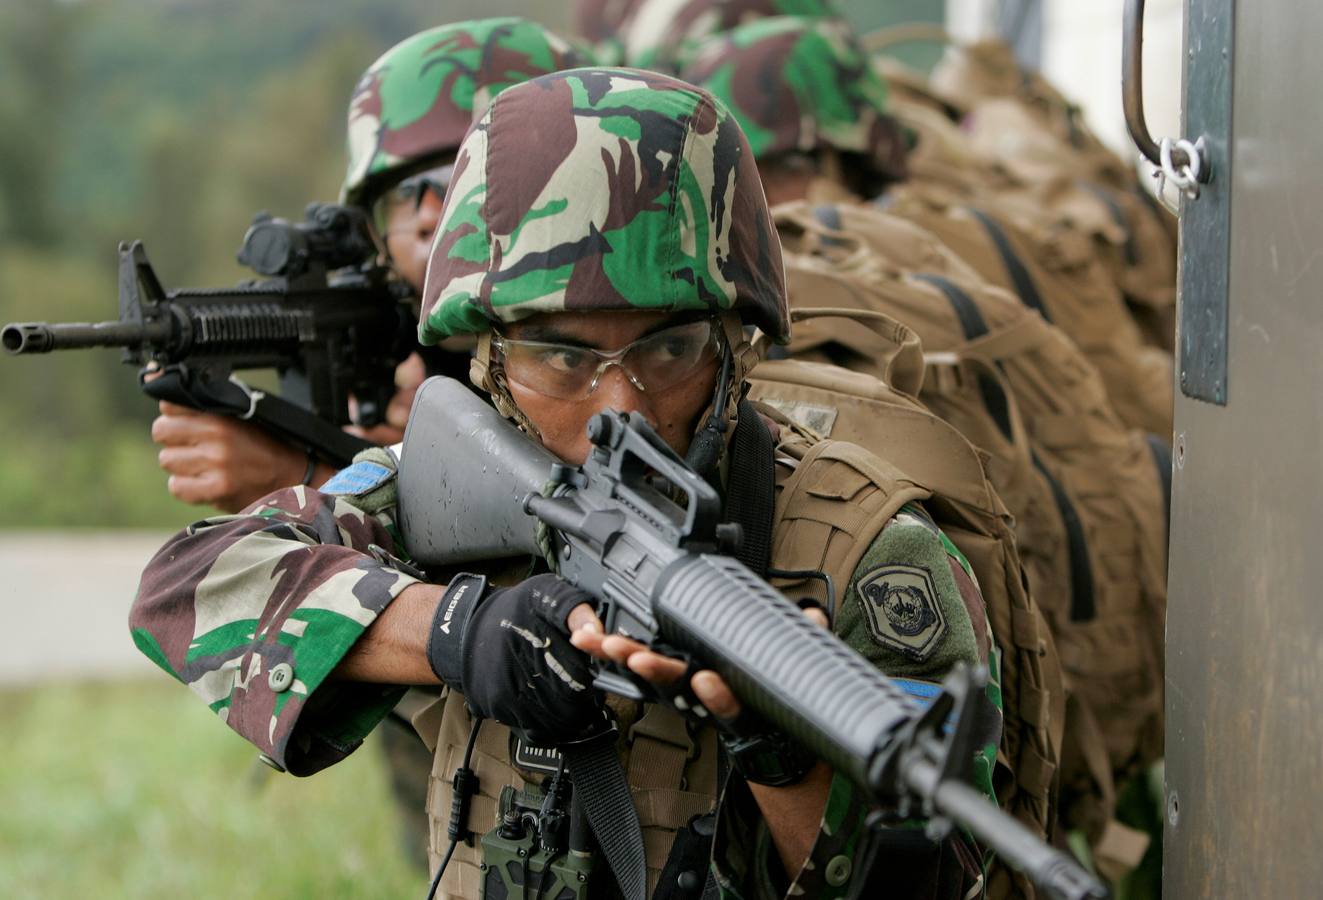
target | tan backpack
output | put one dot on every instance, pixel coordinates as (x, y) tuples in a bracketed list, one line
[(1086, 494), (1054, 270), (1044, 162), (882, 417)]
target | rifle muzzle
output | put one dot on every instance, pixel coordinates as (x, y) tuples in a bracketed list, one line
[(40, 337)]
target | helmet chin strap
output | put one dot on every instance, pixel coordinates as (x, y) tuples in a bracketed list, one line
[(706, 447)]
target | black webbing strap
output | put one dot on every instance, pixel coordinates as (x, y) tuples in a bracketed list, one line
[(751, 488), (600, 785), (1083, 604), (1020, 277), (1162, 460), (973, 325)]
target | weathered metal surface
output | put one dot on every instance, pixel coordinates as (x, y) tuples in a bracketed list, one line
[(1245, 620), (1206, 221)]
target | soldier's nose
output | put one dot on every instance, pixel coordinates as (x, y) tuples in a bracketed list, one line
[(616, 391)]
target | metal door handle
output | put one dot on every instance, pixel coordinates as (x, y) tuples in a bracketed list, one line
[(1184, 163)]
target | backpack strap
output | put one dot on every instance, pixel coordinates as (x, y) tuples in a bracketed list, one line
[(1025, 287), (1083, 604)]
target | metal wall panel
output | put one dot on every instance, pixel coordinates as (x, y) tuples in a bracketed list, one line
[(1245, 621)]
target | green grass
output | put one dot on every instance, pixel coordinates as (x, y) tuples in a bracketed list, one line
[(134, 789)]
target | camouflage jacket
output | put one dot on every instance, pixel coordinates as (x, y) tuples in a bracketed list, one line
[(254, 611)]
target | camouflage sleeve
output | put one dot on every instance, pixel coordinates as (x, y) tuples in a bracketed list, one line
[(913, 609), (253, 611)]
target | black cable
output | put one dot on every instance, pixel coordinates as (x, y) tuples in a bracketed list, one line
[(465, 785)]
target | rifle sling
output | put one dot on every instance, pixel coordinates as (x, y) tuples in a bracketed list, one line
[(599, 782), (751, 488)]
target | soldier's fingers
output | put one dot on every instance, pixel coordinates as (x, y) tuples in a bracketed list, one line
[(183, 460), (583, 616), (619, 648), (199, 489), (817, 616), (713, 692), (178, 431), (174, 409), (655, 668)]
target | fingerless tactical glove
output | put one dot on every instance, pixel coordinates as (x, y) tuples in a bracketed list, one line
[(508, 651)]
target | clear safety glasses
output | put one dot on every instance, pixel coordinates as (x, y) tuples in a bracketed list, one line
[(413, 190), (654, 362)]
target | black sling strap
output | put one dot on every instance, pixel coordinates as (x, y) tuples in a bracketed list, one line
[(601, 788), (751, 488), (1083, 604)]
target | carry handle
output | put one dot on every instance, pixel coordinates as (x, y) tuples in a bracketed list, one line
[(902, 368)]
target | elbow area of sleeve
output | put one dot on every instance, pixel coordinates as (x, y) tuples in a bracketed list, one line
[(254, 621)]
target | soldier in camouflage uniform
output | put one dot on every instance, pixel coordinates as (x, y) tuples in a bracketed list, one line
[(407, 116), (826, 135), (606, 240), (657, 33)]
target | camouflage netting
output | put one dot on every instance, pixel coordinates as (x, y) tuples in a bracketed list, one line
[(412, 107), (798, 85), (603, 189)]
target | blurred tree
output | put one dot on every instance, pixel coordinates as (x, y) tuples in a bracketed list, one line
[(35, 70)]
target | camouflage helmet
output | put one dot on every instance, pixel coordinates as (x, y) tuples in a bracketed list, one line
[(799, 84), (656, 33), (603, 189), (412, 107)]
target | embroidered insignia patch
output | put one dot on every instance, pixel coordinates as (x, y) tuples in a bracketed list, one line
[(900, 604), (361, 478), (820, 419)]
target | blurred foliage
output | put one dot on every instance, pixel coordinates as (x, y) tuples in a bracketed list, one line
[(122, 811), (173, 122)]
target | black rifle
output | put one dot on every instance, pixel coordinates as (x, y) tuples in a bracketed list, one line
[(473, 487), (328, 318)]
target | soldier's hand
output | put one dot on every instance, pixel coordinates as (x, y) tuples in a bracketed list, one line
[(508, 651), (222, 461), (408, 376), (710, 688)]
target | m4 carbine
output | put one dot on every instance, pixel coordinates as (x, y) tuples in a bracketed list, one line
[(473, 487), (328, 318)]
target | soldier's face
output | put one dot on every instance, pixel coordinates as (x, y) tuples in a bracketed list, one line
[(409, 232), (672, 411)]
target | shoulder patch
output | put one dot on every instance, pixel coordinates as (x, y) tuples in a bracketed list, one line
[(361, 478), (902, 610)]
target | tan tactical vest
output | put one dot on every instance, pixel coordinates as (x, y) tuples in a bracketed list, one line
[(833, 499), (1085, 493), (883, 416)]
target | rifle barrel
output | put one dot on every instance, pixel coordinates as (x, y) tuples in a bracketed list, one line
[(41, 337)]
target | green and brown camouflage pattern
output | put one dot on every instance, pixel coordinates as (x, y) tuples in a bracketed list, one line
[(797, 85), (290, 581), (412, 107), (603, 189), (297, 578), (658, 32), (598, 22)]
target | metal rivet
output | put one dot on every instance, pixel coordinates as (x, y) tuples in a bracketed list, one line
[(838, 870), (565, 551), (1180, 450), (1173, 809), (280, 677), (268, 761)]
